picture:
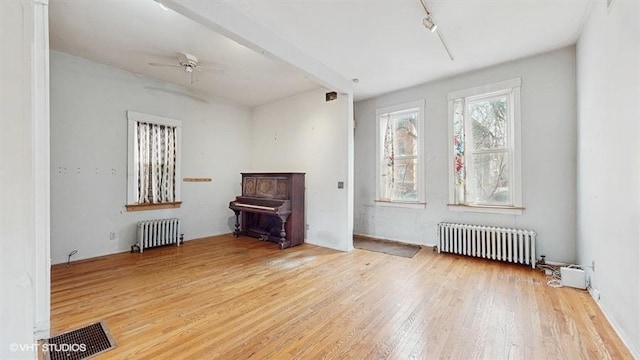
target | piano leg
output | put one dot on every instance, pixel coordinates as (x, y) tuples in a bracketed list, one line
[(284, 243), (236, 232)]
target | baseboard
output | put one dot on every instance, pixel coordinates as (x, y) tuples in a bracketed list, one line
[(370, 237), (58, 262), (42, 330), (311, 242), (63, 261), (634, 351)]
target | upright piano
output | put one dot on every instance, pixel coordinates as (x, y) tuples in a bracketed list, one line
[(271, 208)]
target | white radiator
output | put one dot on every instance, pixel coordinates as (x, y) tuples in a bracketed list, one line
[(152, 233), (496, 243)]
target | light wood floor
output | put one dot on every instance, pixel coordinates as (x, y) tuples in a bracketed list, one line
[(229, 298)]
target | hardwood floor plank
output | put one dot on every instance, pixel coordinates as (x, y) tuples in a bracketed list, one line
[(228, 298)]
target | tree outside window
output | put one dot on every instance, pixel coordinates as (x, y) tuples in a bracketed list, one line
[(485, 156)]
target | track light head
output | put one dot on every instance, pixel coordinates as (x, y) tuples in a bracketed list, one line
[(429, 24)]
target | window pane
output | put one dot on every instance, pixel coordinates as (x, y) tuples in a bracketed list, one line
[(483, 157), (458, 150), (491, 173), (405, 187), (156, 163), (489, 122), (399, 166), (406, 134)]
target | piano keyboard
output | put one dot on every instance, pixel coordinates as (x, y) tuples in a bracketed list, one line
[(254, 206)]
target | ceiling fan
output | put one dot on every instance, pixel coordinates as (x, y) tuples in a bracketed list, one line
[(188, 63), (430, 24)]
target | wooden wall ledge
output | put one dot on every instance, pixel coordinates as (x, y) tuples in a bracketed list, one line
[(143, 207)]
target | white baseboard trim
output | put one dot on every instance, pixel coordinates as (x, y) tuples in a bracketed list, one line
[(311, 242), (391, 239), (42, 330), (616, 327)]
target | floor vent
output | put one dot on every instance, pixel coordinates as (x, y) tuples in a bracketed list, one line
[(79, 344)]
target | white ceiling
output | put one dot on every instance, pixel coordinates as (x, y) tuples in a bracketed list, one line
[(380, 42), (129, 34)]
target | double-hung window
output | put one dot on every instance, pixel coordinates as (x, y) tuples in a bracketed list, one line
[(399, 155), (154, 162), (484, 152)]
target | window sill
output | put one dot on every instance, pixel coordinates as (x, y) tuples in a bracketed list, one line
[(159, 206), (399, 204), (509, 210)]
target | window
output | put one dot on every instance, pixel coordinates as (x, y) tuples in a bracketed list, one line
[(484, 156), (154, 162), (399, 149)]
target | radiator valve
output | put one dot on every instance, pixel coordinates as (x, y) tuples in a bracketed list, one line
[(542, 261)]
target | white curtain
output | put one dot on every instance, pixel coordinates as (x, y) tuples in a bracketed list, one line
[(156, 163)]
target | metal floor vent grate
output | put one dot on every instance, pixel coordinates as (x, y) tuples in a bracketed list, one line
[(79, 344)]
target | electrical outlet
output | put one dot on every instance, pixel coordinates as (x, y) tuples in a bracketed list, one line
[(593, 266), (307, 226), (112, 236)]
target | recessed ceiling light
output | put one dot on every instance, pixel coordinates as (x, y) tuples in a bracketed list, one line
[(355, 80)]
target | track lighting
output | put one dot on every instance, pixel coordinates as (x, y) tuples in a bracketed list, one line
[(429, 24)]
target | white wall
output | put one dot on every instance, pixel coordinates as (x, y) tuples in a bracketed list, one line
[(548, 151), (608, 71), (304, 133), (89, 156), (24, 181)]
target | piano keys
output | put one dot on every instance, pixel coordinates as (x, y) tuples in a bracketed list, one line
[(271, 208)]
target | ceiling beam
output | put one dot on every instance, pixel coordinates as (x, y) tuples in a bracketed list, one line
[(223, 19)]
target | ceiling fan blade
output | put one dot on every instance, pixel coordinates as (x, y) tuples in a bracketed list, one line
[(170, 65), (444, 43), (209, 69)]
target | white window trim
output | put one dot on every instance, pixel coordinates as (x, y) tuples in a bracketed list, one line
[(401, 204), (515, 133), (420, 203), (132, 150)]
